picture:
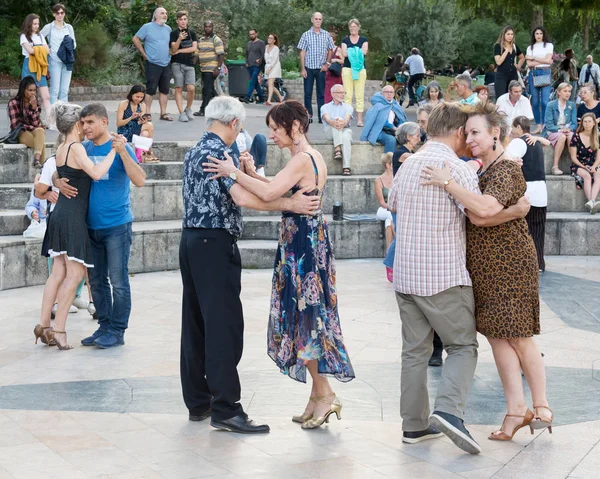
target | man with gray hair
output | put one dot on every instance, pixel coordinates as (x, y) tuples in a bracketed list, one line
[(212, 329), (336, 124), (514, 104), (156, 51), (590, 73), (464, 87)]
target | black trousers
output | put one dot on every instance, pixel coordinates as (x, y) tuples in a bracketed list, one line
[(438, 346), (501, 81), (411, 86), (212, 326), (536, 221), (208, 88)]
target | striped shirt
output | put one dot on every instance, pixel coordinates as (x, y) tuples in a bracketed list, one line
[(316, 46), (430, 225), (208, 51)]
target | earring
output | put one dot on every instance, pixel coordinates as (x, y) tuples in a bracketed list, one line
[(494, 147)]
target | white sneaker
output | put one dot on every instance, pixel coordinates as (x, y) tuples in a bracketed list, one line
[(189, 113), (589, 206), (91, 308), (80, 303), (595, 208), (260, 171), (183, 118), (72, 309)]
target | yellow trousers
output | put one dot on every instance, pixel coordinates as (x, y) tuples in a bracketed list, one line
[(35, 139), (354, 87)]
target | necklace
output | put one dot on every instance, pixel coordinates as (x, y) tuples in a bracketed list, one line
[(480, 173)]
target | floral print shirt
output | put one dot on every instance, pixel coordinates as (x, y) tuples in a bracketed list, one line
[(207, 203)]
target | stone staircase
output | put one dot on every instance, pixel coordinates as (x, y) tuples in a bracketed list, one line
[(158, 207)]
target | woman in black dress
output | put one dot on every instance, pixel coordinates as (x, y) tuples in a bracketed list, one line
[(67, 239)]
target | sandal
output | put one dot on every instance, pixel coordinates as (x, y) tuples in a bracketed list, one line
[(166, 117), (360, 124), (337, 154), (540, 422), (346, 172), (556, 171), (500, 435), (148, 157)]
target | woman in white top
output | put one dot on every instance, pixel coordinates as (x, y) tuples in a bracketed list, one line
[(539, 60), (54, 33), (272, 65), (30, 37)]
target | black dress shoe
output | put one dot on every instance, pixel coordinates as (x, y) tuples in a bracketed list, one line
[(194, 416), (436, 360), (240, 424), (198, 113)]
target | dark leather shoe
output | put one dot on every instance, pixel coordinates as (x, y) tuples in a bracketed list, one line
[(240, 424), (436, 360), (194, 416), (198, 113)]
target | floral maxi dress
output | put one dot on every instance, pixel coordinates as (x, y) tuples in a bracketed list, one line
[(303, 321)]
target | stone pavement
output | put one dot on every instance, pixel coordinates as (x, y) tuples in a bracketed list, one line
[(119, 413)]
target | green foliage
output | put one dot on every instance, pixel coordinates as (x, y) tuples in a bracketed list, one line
[(93, 47), (11, 58), (290, 59), (140, 12)]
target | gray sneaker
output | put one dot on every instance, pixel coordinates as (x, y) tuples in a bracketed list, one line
[(454, 428), (184, 118), (189, 113)]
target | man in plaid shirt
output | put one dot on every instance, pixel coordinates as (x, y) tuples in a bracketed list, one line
[(24, 110), (316, 47)]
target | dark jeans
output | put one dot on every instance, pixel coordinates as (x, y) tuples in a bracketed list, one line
[(253, 84), (208, 88), (501, 82), (313, 74), (258, 150), (110, 248), (411, 86), (212, 325)]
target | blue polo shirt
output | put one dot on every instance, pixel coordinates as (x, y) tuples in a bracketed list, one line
[(156, 42), (110, 203)]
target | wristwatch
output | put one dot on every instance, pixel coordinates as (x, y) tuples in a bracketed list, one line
[(233, 175), (447, 182)]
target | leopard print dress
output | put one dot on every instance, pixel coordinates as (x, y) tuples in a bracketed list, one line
[(502, 263)]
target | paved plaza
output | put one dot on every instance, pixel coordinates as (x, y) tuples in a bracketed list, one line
[(119, 413)]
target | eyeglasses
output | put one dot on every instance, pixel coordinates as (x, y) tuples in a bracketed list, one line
[(339, 92), (60, 13)]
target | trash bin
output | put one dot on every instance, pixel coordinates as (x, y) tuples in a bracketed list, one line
[(238, 77)]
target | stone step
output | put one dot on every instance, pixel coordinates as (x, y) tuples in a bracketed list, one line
[(155, 247), (13, 222), (572, 234)]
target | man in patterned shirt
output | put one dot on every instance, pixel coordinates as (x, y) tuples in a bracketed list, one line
[(210, 58), (316, 47), (212, 320)]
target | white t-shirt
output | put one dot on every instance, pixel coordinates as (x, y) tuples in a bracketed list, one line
[(415, 64), (36, 40), (540, 51), (46, 176)]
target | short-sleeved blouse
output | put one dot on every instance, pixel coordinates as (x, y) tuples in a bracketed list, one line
[(509, 62), (349, 44), (585, 154), (36, 39)]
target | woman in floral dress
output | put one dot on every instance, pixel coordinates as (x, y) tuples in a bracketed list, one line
[(304, 327)]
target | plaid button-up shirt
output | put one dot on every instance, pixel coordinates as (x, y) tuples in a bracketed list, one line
[(430, 225), (316, 46), (29, 117)]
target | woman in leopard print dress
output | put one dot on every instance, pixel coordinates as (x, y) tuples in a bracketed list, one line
[(501, 260)]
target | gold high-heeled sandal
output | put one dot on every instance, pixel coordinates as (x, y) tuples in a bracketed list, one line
[(500, 435), (539, 422), (63, 347), (44, 334), (302, 418), (335, 406)]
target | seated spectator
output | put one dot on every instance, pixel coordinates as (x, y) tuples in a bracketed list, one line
[(383, 119), (533, 171), (132, 119), (336, 117), (423, 113), (36, 209), (588, 104), (256, 147), (24, 112), (490, 75), (585, 156), (560, 123), (463, 86), (513, 103), (408, 136), (482, 92), (433, 94), (383, 183)]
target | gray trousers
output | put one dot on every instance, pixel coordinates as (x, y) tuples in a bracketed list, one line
[(344, 138), (452, 314)]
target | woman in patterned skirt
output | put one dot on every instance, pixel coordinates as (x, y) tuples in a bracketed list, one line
[(501, 260), (304, 326)]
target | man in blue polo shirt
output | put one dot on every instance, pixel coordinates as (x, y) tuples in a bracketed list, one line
[(109, 225)]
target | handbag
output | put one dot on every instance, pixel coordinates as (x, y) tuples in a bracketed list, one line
[(335, 69), (542, 78), (13, 136)]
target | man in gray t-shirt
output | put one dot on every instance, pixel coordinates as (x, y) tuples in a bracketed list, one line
[(255, 54), (416, 66)]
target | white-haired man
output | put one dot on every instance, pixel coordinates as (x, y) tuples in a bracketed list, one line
[(212, 319), (156, 51), (464, 87), (336, 124), (590, 73)]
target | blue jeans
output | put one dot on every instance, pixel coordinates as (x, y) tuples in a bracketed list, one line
[(60, 80), (258, 150), (110, 249), (391, 252), (253, 71), (388, 141), (539, 99), (313, 74)]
